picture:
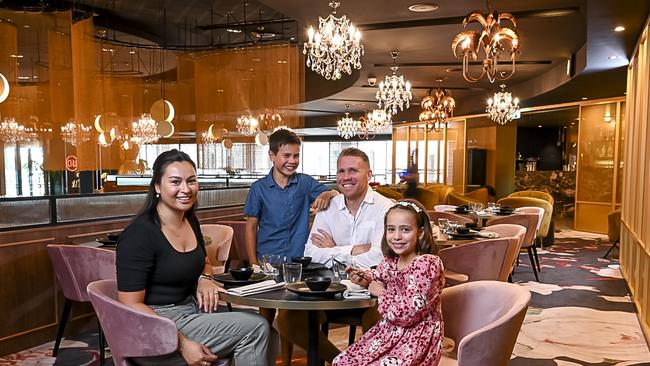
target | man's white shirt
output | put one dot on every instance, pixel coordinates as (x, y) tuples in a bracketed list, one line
[(367, 227)]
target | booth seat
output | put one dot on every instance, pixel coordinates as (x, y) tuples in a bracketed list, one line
[(534, 194)]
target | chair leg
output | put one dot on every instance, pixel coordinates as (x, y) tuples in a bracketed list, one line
[(64, 319), (539, 269), (352, 335), (286, 349), (532, 262), (610, 249), (229, 305), (102, 344)]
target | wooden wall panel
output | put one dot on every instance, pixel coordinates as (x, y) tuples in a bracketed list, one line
[(635, 237)]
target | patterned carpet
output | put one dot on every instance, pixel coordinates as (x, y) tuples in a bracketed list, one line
[(581, 314)]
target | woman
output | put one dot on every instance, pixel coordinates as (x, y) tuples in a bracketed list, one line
[(161, 267)]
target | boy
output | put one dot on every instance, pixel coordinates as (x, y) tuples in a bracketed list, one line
[(277, 206)]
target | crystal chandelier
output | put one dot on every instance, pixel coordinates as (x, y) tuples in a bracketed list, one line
[(248, 125), (269, 121), (437, 107), (394, 92), (335, 47), (75, 133), (378, 120), (346, 126), (144, 130), (502, 107), (491, 41), (12, 132)]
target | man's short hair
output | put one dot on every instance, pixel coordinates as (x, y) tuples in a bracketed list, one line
[(353, 151), (282, 137)]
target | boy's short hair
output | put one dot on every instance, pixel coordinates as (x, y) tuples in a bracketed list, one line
[(282, 137), (353, 151)]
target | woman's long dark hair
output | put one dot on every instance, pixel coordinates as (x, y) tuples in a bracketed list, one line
[(426, 245), (163, 160)]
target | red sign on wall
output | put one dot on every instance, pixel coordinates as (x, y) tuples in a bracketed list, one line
[(71, 163)]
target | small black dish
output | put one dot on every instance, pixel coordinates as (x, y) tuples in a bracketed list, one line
[(318, 283), (107, 242), (113, 237), (301, 289), (305, 261), (471, 225), (462, 230), (241, 273)]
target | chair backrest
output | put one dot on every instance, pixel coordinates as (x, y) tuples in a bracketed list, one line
[(238, 251), (427, 198), (478, 260), (219, 250), (444, 208), (454, 198), (435, 215), (614, 226), (535, 211), (527, 220), (534, 194), (515, 234), (130, 332), (484, 319), (480, 194), (76, 266), (516, 202), (442, 191)]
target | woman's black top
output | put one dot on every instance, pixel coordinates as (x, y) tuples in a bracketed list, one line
[(146, 260)]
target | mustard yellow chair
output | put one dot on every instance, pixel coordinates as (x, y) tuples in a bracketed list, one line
[(613, 229), (427, 198), (480, 194), (534, 194), (389, 193), (516, 202), (442, 191), (458, 199)]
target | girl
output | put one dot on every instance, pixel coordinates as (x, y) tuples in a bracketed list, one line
[(408, 282)]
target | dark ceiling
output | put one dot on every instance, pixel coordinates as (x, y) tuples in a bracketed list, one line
[(551, 31)]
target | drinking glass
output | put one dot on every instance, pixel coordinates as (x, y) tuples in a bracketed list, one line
[(292, 272), (444, 225), (491, 206), (339, 271), (267, 263)]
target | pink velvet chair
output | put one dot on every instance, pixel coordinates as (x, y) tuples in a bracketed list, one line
[(483, 318), (475, 261), (515, 234), (531, 222), (237, 256), (132, 333), (435, 215), (219, 250), (76, 266)]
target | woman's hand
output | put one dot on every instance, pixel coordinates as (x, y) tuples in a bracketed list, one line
[(194, 353), (207, 295), (361, 277)]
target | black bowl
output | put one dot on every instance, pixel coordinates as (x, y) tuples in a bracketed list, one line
[(471, 225), (241, 273), (305, 261), (318, 283), (462, 230), (112, 237)]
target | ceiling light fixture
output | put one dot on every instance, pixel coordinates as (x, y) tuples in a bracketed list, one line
[(378, 120), (423, 7), (248, 125), (144, 130), (394, 92), (491, 41), (13, 132), (437, 107), (502, 107), (75, 133), (335, 47), (346, 126), (619, 28)]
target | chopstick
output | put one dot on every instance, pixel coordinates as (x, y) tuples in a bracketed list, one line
[(358, 272)]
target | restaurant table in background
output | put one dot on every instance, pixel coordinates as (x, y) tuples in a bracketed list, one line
[(284, 299)]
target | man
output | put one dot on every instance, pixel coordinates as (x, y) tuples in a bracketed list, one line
[(352, 227), (349, 230), (277, 206)]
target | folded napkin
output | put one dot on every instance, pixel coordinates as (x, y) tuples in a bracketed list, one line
[(487, 234), (256, 288), (354, 291)]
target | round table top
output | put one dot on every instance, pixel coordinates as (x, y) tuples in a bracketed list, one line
[(285, 299)]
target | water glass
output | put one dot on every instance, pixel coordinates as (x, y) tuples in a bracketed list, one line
[(267, 263), (339, 271), (444, 224), (491, 206), (292, 272)]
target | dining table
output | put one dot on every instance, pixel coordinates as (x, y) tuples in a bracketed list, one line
[(287, 300)]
